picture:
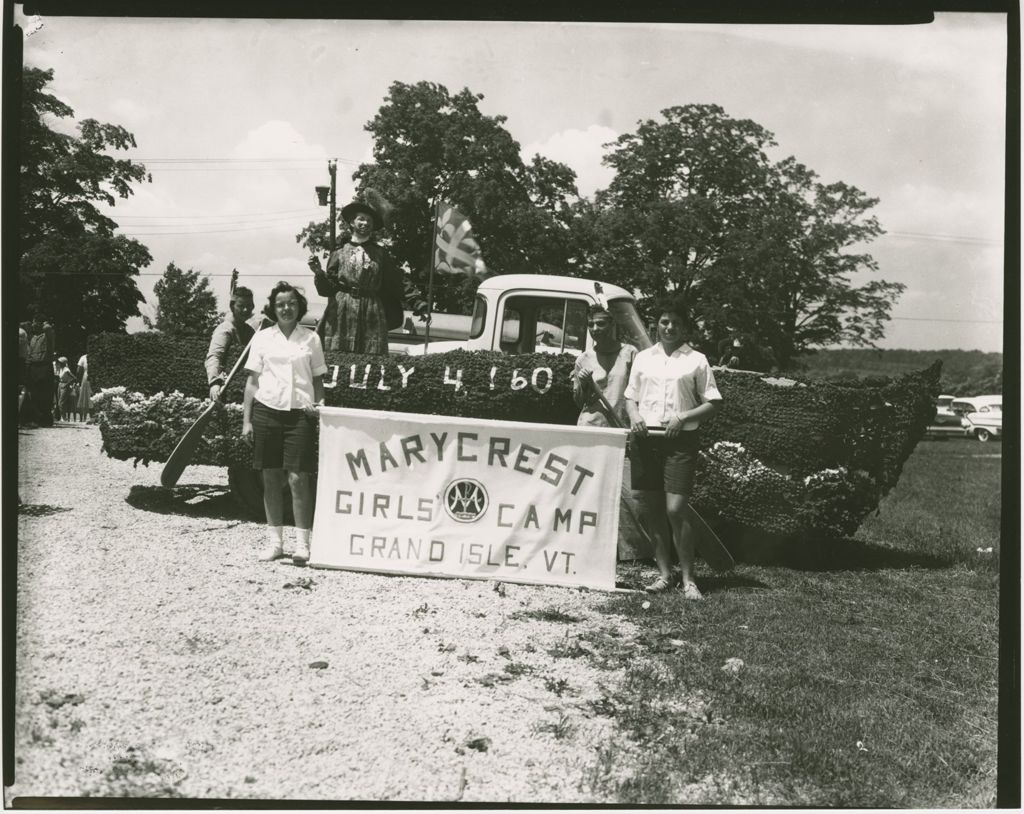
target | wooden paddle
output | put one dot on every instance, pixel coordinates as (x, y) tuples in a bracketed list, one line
[(186, 447), (710, 546)]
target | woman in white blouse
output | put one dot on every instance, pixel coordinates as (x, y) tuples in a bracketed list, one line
[(671, 388), (285, 387)]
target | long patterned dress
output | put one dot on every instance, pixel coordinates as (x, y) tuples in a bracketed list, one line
[(355, 280)]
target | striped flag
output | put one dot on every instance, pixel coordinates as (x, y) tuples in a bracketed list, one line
[(455, 248)]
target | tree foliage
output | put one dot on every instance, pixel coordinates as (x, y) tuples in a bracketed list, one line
[(185, 305), (73, 268), (429, 144), (762, 250)]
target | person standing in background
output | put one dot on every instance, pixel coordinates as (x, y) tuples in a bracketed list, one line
[(66, 382), (84, 390), (23, 330), (39, 373)]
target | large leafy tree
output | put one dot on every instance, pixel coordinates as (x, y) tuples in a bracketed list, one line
[(73, 268), (429, 144), (185, 305), (761, 249)]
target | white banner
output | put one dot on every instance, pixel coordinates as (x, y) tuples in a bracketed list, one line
[(468, 497)]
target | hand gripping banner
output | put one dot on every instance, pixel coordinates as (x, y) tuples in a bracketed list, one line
[(468, 497)]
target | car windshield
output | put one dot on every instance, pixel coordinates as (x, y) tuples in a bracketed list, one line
[(628, 323)]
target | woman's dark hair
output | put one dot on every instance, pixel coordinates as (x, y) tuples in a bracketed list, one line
[(596, 308), (282, 288), (677, 307)]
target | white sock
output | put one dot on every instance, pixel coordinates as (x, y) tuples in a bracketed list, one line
[(302, 537), (275, 535)]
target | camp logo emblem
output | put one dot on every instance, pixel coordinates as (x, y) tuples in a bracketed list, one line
[(465, 500)]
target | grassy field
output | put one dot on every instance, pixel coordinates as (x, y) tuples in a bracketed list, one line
[(964, 372), (869, 666)]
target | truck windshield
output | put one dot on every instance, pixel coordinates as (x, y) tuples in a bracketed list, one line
[(630, 327)]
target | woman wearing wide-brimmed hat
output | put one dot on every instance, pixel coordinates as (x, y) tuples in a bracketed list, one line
[(362, 283)]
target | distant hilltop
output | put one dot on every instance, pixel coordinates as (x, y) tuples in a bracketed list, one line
[(964, 372)]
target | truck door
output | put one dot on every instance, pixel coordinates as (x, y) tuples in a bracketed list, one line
[(546, 324)]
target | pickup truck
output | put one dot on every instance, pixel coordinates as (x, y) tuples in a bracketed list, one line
[(525, 313)]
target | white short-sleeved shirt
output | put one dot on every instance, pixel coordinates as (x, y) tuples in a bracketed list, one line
[(664, 385), (286, 366)]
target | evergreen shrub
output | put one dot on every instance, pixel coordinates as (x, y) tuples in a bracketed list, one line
[(785, 456)]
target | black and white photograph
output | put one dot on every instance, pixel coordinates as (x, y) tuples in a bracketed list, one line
[(509, 412)]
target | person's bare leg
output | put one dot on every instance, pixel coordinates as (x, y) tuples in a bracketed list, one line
[(302, 499), (684, 536), (273, 506), (302, 511), (655, 522)]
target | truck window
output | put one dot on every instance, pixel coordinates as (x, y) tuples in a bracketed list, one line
[(476, 326), (553, 324)]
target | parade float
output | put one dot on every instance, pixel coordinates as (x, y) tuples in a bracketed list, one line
[(783, 457)]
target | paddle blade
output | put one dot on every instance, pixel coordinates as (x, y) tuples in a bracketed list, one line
[(185, 449)]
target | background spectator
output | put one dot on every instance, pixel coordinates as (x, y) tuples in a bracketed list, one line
[(84, 391), (40, 379)]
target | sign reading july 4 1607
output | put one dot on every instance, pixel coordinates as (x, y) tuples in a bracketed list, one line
[(468, 497)]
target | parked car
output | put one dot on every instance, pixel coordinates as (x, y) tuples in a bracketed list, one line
[(962, 405), (984, 424), (946, 421)]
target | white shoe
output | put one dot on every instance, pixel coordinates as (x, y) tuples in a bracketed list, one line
[(301, 554), (271, 552)]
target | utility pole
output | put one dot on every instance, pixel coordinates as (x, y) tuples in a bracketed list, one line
[(328, 196), (332, 168)]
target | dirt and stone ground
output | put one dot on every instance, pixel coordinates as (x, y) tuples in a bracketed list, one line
[(157, 656)]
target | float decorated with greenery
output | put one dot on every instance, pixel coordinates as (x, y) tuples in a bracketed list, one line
[(806, 459)]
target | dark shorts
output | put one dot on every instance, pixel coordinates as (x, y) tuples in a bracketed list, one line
[(660, 464), (282, 439)]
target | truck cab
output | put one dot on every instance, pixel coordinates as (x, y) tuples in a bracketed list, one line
[(526, 313)]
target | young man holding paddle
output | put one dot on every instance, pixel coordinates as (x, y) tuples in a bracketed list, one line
[(234, 332)]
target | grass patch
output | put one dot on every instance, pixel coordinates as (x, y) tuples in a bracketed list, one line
[(561, 729), (547, 615), (864, 685), (569, 649)]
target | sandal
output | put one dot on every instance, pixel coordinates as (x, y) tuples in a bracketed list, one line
[(691, 591), (659, 586)]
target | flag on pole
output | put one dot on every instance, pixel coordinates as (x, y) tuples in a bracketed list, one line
[(455, 248)]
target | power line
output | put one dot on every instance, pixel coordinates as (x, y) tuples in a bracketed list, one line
[(985, 241), (204, 231), (179, 159), (938, 319), (225, 215), (149, 274)]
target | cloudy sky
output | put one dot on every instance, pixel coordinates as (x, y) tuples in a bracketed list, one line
[(236, 120)]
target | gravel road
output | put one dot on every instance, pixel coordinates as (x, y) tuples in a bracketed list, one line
[(156, 656)]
